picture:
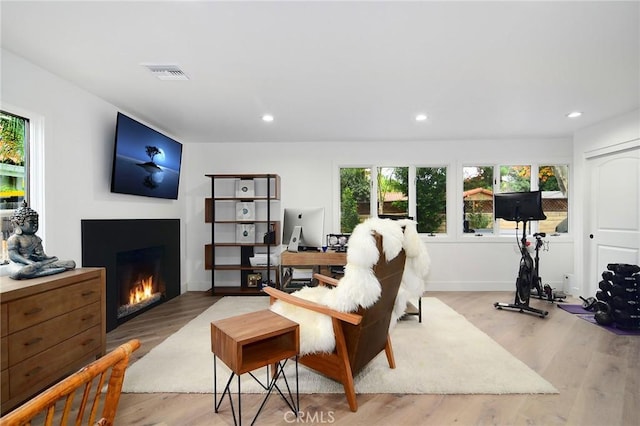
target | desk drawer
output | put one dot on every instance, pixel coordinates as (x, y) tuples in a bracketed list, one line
[(31, 341), (35, 309), (44, 368)]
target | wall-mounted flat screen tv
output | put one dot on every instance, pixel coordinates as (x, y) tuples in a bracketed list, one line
[(145, 162)]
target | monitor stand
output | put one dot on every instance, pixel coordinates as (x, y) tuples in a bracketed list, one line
[(295, 239)]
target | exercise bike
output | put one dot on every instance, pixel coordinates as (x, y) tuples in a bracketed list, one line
[(527, 276), (538, 290), (524, 207)]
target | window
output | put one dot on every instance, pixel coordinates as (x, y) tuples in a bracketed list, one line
[(431, 199), (512, 179), (355, 197), (14, 176), (418, 192), (393, 191), (477, 199), (553, 181)]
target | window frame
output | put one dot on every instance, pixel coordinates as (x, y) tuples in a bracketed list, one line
[(454, 188), (34, 154)]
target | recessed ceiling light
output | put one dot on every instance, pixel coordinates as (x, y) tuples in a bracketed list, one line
[(267, 118), (421, 117), (574, 114)]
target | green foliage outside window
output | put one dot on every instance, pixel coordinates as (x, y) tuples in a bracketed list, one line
[(357, 179), (515, 178), (478, 220), (355, 189), (482, 177), (431, 196), (349, 217), (12, 134)]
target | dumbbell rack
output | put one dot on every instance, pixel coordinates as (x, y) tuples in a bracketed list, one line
[(619, 296)]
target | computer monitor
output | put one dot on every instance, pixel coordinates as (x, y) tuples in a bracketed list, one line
[(519, 206), (303, 228)]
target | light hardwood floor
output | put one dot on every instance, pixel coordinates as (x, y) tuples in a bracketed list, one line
[(596, 372)]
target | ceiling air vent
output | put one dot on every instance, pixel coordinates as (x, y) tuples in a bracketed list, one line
[(167, 72)]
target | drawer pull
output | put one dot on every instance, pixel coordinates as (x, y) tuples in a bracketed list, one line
[(33, 311), (33, 341), (87, 342), (87, 293), (87, 317), (33, 372)]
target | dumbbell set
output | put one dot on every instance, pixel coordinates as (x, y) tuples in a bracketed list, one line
[(618, 296)]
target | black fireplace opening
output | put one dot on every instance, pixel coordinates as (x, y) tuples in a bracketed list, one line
[(140, 282), (131, 251)]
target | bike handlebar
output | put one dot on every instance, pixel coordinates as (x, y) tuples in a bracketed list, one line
[(540, 234)]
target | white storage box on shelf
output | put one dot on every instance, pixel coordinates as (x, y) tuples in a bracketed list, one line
[(245, 211), (260, 259), (245, 188), (245, 233)]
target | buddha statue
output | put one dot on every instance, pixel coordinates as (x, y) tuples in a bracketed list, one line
[(27, 256)]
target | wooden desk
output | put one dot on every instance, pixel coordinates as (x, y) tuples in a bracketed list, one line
[(250, 341), (317, 260), (313, 258)]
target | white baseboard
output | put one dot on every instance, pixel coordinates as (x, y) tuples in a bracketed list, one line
[(480, 286), (431, 286)]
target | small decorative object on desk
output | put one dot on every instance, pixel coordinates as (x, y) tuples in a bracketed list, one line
[(338, 242), (254, 280), (28, 259)]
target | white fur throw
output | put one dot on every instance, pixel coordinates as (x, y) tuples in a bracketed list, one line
[(359, 286)]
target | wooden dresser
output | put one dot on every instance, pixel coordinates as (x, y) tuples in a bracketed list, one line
[(50, 327)]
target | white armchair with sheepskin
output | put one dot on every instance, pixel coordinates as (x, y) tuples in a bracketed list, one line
[(345, 323)]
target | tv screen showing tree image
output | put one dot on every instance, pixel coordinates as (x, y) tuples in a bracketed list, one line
[(145, 162)]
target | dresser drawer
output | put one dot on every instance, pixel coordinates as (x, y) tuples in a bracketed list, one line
[(4, 319), (31, 341), (46, 367), (4, 391), (40, 307), (4, 353)]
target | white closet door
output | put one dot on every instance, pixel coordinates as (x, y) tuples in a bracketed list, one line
[(614, 223)]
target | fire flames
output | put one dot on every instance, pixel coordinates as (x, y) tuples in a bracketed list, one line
[(141, 291)]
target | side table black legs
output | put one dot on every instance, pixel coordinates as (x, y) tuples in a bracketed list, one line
[(294, 404)]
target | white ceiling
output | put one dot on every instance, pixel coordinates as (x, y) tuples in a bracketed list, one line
[(343, 71)]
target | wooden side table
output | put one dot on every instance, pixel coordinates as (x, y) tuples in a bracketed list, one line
[(250, 341)]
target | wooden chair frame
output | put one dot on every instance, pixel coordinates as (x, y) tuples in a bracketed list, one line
[(109, 370), (358, 340)]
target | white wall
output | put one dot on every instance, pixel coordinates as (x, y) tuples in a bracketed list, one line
[(309, 173), (78, 139), (78, 143)]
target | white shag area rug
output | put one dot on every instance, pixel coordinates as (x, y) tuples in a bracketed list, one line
[(445, 354)]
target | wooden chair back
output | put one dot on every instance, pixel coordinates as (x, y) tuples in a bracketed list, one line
[(99, 383), (360, 336), (367, 339)]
